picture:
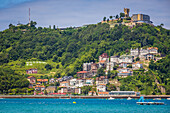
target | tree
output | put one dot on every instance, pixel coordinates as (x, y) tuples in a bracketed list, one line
[(104, 19), (45, 92), (109, 74), (100, 72), (115, 67), (86, 89), (111, 17), (129, 66), (117, 16), (152, 65), (122, 15), (108, 20), (54, 27), (110, 87), (48, 67), (32, 24), (137, 59), (10, 25)]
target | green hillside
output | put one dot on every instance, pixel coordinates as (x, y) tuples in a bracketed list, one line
[(66, 50)]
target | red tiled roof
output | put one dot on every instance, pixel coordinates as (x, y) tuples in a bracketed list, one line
[(102, 84), (153, 48), (136, 63), (31, 77), (104, 55), (63, 82), (42, 80), (103, 92), (102, 61), (40, 86), (82, 72), (124, 72)]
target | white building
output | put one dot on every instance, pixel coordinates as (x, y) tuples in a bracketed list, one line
[(124, 72), (110, 65), (102, 80), (104, 56), (126, 59), (73, 82), (101, 88), (137, 65), (87, 66), (114, 59), (134, 52), (80, 82)]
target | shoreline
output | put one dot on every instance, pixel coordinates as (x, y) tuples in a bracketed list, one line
[(84, 97)]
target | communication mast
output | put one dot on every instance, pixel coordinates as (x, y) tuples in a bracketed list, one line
[(29, 17)]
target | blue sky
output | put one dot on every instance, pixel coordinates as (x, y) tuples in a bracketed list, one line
[(66, 13)]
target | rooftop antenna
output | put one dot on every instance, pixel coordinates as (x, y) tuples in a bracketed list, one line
[(29, 16)]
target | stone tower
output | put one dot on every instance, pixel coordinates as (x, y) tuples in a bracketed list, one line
[(126, 10)]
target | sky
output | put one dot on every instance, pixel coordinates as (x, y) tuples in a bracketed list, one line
[(74, 13)]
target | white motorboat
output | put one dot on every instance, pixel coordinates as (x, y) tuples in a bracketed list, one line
[(129, 98), (157, 99), (168, 98), (111, 98)]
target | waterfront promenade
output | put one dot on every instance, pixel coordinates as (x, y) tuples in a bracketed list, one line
[(84, 97)]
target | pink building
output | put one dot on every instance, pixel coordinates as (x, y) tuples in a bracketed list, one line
[(31, 71)]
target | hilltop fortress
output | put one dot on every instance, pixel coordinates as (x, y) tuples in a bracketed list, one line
[(125, 19)]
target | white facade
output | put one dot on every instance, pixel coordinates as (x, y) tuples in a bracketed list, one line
[(124, 72), (87, 66), (101, 88), (126, 59), (80, 82), (73, 82), (137, 65), (110, 65), (134, 52), (114, 59)]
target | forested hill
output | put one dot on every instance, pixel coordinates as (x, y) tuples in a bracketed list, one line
[(70, 48)]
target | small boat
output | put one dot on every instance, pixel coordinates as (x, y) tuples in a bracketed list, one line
[(168, 98), (111, 98), (129, 98), (157, 99)]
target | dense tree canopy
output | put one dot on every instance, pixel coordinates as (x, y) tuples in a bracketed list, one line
[(11, 80), (72, 47)]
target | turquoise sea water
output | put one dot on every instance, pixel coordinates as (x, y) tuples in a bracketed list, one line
[(81, 106)]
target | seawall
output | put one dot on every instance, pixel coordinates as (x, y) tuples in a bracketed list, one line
[(84, 97)]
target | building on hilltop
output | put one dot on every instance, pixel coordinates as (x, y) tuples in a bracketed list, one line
[(126, 11), (141, 18)]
